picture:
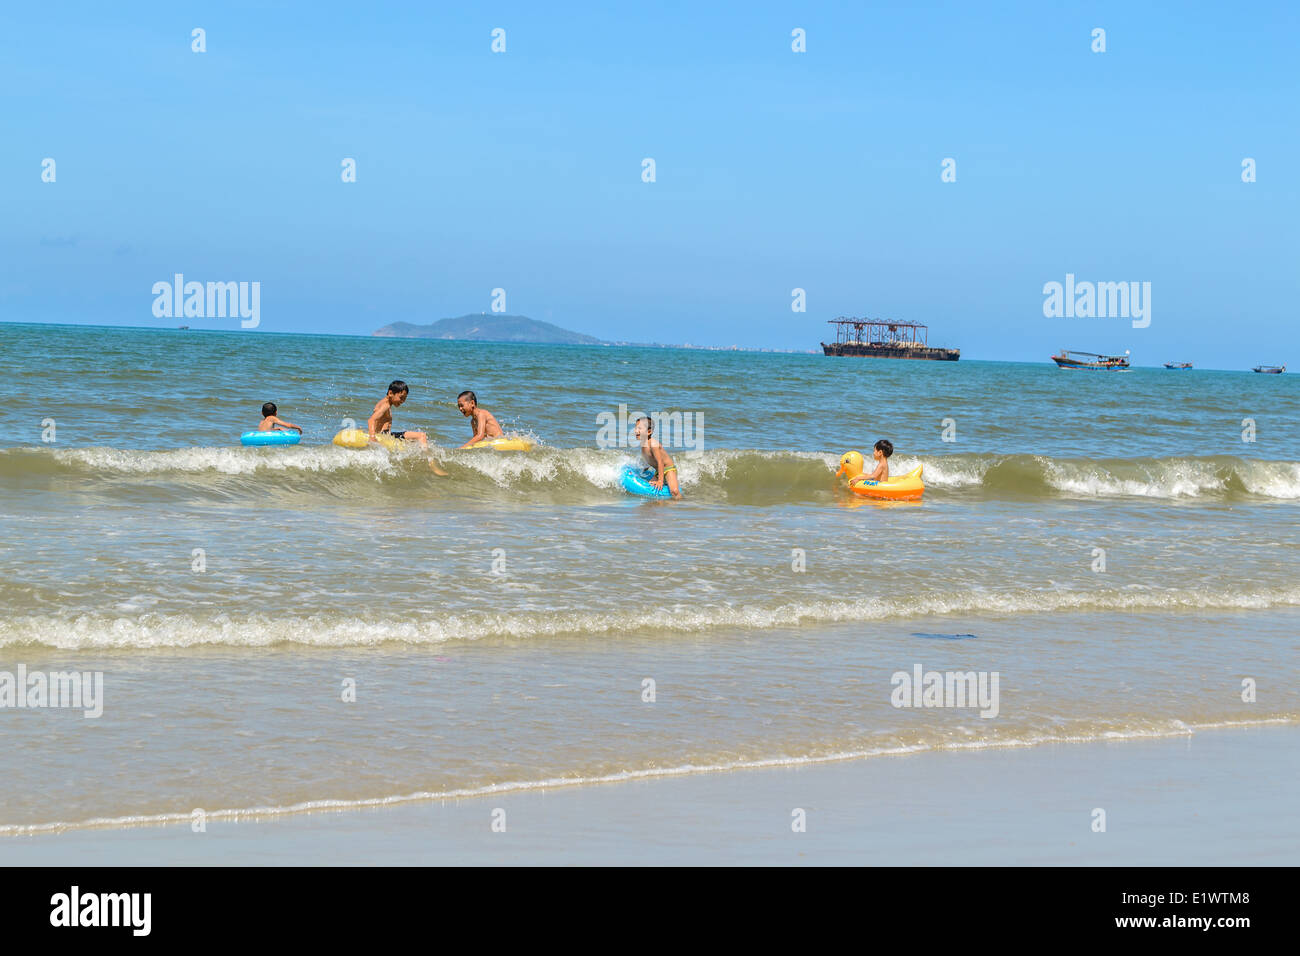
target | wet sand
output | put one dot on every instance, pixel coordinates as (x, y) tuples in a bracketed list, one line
[(1219, 797)]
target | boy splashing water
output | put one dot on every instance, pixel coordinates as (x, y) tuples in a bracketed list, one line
[(483, 422), (381, 421)]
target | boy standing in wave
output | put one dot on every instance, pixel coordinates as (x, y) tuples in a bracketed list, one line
[(664, 468)]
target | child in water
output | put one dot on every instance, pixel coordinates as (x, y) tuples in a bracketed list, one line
[(881, 452), (272, 422), (482, 422), (381, 420), (655, 456)]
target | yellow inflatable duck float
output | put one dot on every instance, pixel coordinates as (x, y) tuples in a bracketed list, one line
[(906, 487)]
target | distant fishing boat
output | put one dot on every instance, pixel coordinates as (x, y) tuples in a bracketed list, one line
[(1092, 361), (1178, 365), (1270, 369)]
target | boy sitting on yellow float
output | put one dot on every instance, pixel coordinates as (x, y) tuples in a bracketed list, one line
[(878, 484)]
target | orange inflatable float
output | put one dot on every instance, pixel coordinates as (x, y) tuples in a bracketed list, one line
[(906, 487)]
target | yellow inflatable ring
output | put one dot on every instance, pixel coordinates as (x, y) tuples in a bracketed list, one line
[(359, 438), (505, 443)]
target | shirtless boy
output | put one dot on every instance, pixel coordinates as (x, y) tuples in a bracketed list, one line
[(381, 420), (272, 422), (881, 452), (655, 456), (482, 422)]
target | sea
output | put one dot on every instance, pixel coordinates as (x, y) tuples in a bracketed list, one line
[(276, 631)]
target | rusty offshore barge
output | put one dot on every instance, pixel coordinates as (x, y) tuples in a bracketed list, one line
[(883, 338)]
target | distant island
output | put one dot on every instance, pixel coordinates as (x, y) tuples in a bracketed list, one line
[(484, 327), (490, 327)]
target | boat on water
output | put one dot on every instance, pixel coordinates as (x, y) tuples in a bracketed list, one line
[(885, 338), (1270, 369), (1178, 365), (1091, 361)]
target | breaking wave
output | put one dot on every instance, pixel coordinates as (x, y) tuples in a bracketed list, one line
[(349, 628), (582, 475)]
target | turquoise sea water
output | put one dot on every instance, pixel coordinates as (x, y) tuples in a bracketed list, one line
[(1119, 554)]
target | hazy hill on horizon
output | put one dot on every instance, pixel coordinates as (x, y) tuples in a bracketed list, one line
[(489, 327)]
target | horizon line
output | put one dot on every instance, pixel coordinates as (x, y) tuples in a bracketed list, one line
[(756, 350)]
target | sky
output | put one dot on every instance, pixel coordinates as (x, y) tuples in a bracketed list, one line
[(775, 170)]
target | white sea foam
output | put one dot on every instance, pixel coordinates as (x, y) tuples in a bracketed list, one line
[(1273, 479), (1168, 478), (229, 461), (945, 472), (341, 629)]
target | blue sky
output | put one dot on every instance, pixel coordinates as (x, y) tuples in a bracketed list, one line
[(775, 169)]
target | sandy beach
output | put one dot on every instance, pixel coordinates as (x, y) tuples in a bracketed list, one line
[(1218, 797)]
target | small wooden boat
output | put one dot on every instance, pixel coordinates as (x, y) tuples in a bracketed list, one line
[(1178, 365), (1091, 361), (1270, 369)]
